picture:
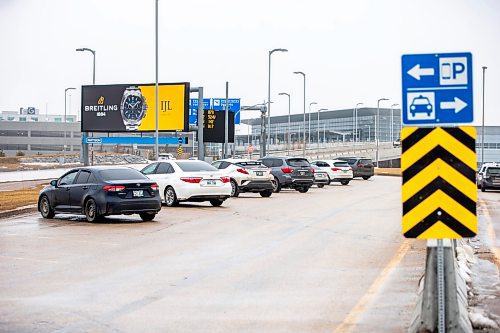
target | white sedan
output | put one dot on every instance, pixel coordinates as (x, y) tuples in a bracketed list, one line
[(337, 170), (189, 180)]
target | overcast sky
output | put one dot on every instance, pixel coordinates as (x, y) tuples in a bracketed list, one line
[(350, 50)]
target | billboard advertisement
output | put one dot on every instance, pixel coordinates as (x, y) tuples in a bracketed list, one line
[(213, 126), (132, 107)]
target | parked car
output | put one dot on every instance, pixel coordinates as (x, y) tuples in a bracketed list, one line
[(165, 156), (100, 191), (337, 170), (189, 180), (396, 143), (290, 172), (247, 176), (320, 177), (361, 166), (489, 176)]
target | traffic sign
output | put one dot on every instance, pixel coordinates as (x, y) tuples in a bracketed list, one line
[(437, 88), (193, 109), (90, 139), (439, 190), (180, 151), (180, 141), (234, 105)]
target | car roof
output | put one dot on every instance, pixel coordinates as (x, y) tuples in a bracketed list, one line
[(235, 160), (104, 167)]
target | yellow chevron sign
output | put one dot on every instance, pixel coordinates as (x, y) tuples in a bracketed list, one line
[(439, 182)]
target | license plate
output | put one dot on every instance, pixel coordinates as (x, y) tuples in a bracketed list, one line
[(259, 173), (302, 173), (320, 175), (138, 193), (211, 182), (344, 171)]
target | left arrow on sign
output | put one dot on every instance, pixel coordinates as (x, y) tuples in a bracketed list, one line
[(417, 72), (457, 104)]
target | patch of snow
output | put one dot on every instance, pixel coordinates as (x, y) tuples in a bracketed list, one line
[(479, 319)]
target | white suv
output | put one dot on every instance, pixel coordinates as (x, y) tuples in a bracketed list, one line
[(247, 176), (337, 170)]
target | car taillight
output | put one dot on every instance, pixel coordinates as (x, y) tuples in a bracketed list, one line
[(313, 171), (113, 188), (242, 171), (336, 169), (155, 187), (350, 169), (192, 180), (287, 170), (360, 165), (224, 179)]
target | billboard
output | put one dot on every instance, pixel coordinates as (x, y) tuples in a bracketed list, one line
[(214, 124), (131, 107)]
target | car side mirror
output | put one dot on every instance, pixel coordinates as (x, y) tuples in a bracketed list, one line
[(53, 182)]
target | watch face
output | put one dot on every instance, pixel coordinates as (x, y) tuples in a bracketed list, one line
[(132, 107)]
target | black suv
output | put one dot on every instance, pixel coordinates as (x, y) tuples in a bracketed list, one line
[(489, 176), (290, 172), (361, 166)]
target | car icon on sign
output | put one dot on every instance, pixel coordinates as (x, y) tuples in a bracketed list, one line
[(420, 104)]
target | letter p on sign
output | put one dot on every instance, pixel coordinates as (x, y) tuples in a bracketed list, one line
[(453, 71)]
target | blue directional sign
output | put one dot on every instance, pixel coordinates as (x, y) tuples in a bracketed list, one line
[(219, 104), (146, 140), (437, 88), (193, 109)]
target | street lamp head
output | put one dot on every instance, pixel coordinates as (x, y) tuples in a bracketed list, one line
[(393, 105), (284, 94), (322, 110), (69, 89), (383, 99), (312, 103), (301, 73), (484, 67), (358, 104), (278, 50), (85, 49)]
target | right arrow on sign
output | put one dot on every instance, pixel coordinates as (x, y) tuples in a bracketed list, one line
[(457, 105), (417, 72)]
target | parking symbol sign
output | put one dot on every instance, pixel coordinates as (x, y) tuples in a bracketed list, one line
[(437, 89)]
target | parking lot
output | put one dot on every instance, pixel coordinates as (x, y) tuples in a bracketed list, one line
[(329, 259)]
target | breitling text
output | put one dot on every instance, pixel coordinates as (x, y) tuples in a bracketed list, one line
[(100, 108)]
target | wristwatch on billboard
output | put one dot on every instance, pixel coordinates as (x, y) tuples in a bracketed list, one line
[(133, 108)]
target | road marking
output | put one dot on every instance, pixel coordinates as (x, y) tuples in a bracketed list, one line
[(30, 259), (491, 232), (352, 317)]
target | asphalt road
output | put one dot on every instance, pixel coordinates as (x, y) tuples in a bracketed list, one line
[(330, 260)]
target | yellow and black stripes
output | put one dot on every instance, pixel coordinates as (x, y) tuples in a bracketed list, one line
[(439, 191)]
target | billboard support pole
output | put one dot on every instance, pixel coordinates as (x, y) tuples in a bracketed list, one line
[(226, 123), (156, 81), (201, 145)]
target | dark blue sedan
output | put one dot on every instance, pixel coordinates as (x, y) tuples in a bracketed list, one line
[(100, 191)]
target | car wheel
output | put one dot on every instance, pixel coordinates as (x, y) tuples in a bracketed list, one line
[(171, 197), (45, 209), (147, 216), (266, 193), (366, 177), (321, 185), (344, 182), (234, 189), (216, 202), (483, 188), (91, 210), (329, 181), (303, 189), (276, 185)]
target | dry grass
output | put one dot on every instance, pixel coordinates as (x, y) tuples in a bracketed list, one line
[(388, 171), (18, 198)]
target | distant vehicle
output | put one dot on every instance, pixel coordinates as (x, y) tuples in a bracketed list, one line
[(489, 176), (420, 104), (165, 156), (290, 172), (247, 176), (189, 180), (100, 191), (337, 170), (320, 177), (396, 143), (361, 166)]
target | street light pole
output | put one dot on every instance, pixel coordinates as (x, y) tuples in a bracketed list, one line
[(309, 123), (156, 81), (85, 147), (392, 121), (304, 123), (65, 91), (269, 92), (288, 128), (356, 121), (377, 127), (482, 126)]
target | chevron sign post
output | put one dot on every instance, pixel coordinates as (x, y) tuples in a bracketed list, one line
[(439, 182)]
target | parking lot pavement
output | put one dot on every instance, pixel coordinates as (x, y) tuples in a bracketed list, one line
[(332, 259)]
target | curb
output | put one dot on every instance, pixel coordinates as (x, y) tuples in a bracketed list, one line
[(19, 211)]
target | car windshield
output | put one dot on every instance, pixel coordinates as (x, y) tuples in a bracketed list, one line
[(421, 101), (341, 164), (250, 164), (193, 166), (298, 162), (121, 174), (493, 172), (366, 161)]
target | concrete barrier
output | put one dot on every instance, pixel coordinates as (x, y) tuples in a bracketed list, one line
[(425, 318)]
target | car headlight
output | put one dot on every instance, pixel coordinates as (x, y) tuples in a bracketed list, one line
[(412, 107), (429, 107)]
